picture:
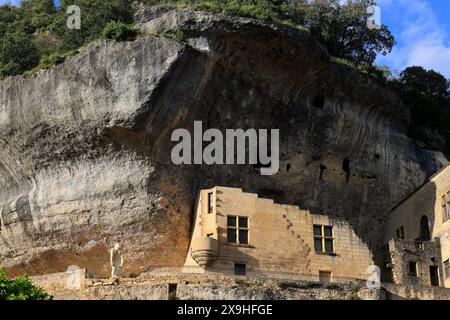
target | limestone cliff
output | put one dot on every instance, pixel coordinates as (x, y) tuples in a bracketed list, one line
[(85, 146)]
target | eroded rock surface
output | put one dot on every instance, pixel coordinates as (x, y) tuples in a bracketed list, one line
[(85, 147)]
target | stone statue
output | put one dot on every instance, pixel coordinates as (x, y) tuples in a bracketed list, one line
[(116, 259)]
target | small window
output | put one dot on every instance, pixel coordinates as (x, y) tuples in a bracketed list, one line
[(445, 207), (210, 235), (237, 230), (240, 269), (324, 276), (400, 233), (413, 269), (323, 239), (172, 291), (447, 268), (210, 202)]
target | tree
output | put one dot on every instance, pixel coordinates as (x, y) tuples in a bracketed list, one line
[(17, 54), (95, 15), (426, 92), (20, 288), (343, 29)]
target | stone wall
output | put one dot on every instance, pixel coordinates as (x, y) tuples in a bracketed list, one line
[(423, 254), (427, 201), (164, 286), (281, 239), (415, 292)]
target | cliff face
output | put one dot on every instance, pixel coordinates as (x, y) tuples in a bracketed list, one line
[(85, 147)]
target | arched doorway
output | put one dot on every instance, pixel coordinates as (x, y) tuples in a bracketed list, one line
[(424, 229)]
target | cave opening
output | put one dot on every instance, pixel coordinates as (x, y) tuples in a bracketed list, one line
[(319, 101), (322, 171), (346, 169)]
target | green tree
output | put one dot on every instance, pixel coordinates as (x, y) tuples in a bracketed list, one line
[(17, 54), (426, 92), (20, 288), (343, 29), (427, 95), (95, 15)]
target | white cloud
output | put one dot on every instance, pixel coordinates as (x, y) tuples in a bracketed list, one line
[(421, 41)]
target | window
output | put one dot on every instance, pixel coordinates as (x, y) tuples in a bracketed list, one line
[(323, 239), (240, 269), (447, 268), (210, 202), (413, 269), (237, 230), (401, 233), (434, 276), (324, 276), (172, 291), (446, 207)]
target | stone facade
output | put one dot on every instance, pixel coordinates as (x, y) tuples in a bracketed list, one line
[(272, 239), (422, 222), (413, 263)]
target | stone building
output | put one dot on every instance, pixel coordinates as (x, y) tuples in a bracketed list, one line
[(239, 233), (417, 236)]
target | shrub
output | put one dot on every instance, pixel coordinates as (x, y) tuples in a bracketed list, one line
[(295, 285), (178, 36), (332, 286), (20, 288), (51, 60), (120, 31)]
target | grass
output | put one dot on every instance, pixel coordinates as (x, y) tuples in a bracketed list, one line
[(50, 61), (247, 9), (178, 36), (295, 285), (332, 286), (373, 71)]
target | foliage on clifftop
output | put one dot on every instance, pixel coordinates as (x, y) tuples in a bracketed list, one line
[(34, 36), (427, 94), (37, 28), (20, 289), (341, 28)]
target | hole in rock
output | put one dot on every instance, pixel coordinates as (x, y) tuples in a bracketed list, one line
[(319, 101), (322, 170), (346, 169)]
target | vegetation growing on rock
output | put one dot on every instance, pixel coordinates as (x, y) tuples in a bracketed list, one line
[(34, 36), (20, 288)]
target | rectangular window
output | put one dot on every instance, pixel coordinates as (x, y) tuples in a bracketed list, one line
[(447, 268), (324, 276), (447, 212), (237, 230), (240, 269), (400, 233), (413, 269), (210, 202), (323, 239)]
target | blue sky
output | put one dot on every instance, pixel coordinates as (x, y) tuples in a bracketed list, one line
[(422, 31)]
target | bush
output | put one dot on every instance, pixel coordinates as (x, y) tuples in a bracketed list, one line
[(20, 288), (51, 60), (332, 286), (179, 36), (120, 31)]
